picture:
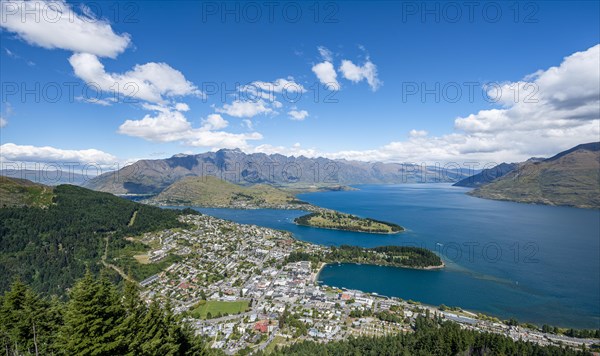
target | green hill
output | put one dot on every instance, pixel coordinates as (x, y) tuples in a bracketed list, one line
[(214, 192), (50, 247), (570, 178), (21, 192)]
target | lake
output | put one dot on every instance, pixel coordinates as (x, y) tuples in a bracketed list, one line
[(539, 264)]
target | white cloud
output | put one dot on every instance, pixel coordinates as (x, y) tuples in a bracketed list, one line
[(54, 24), (298, 115), (564, 112), (10, 53), (248, 123), (214, 122), (258, 91), (295, 150), (166, 126), (554, 109), (325, 54), (182, 107), (240, 108), (6, 112), (25, 153), (417, 133), (170, 126), (222, 139), (356, 73), (152, 82), (98, 101), (326, 74), (277, 86)]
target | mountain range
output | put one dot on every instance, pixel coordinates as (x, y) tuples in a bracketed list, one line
[(45, 177), (233, 178), (235, 166)]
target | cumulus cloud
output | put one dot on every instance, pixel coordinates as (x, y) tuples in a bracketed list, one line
[(152, 82), (25, 153), (54, 24), (214, 122), (277, 86), (417, 133), (295, 150), (298, 115), (246, 109), (222, 139), (559, 107), (167, 125), (182, 107), (564, 112), (356, 73), (326, 74)]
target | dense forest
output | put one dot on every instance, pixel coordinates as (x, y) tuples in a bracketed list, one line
[(50, 247), (431, 337), (400, 256), (97, 319)]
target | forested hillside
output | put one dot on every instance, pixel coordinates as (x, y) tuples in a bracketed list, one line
[(49, 248)]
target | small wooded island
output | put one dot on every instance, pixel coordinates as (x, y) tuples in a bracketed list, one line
[(340, 221), (396, 256)]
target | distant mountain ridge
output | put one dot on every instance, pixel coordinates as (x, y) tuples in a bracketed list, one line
[(45, 176), (570, 178), (486, 176), (235, 166)]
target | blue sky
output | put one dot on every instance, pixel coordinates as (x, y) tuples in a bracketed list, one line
[(378, 52)]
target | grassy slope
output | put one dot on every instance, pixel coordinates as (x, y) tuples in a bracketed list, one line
[(21, 192), (572, 179), (212, 191)]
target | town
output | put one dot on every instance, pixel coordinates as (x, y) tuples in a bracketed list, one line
[(234, 285)]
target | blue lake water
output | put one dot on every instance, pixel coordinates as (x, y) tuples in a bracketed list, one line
[(536, 263)]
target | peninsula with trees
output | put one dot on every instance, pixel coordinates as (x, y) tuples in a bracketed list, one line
[(395, 256)]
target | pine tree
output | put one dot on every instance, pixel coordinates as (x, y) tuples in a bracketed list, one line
[(92, 319), (27, 321), (132, 324)]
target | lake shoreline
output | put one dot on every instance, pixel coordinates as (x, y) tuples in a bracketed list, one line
[(428, 268)]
